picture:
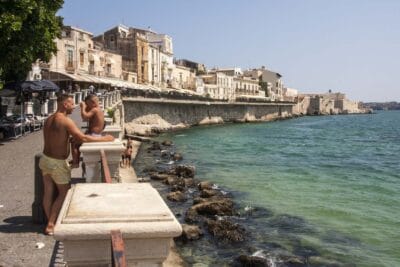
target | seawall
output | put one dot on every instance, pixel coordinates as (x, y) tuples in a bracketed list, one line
[(201, 112)]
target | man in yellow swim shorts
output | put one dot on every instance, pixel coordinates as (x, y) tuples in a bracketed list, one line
[(56, 171)]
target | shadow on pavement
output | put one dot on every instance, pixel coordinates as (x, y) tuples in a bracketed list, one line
[(20, 224)]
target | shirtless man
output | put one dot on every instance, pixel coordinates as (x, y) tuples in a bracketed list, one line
[(91, 112), (56, 172)]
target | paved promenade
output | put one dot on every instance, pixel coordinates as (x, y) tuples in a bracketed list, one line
[(18, 235)]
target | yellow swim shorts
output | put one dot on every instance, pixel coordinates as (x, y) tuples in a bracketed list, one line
[(58, 169)]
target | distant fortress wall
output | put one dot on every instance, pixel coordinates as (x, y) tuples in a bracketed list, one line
[(197, 112)]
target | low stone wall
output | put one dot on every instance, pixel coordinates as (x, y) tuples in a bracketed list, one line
[(200, 112)]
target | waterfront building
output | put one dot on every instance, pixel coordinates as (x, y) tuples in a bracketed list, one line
[(326, 103), (272, 82), (78, 60), (198, 68), (289, 94), (218, 85), (182, 78), (131, 45), (246, 87), (241, 86), (144, 52)]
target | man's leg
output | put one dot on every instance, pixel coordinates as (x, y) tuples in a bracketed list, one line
[(76, 154), (48, 193), (55, 208)]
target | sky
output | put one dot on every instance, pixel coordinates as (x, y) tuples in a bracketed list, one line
[(348, 46)]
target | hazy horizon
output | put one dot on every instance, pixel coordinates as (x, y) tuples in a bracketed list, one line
[(344, 46)]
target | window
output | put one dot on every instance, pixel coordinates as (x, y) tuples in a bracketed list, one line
[(70, 58), (81, 58)]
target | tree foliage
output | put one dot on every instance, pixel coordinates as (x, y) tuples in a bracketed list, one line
[(27, 32)]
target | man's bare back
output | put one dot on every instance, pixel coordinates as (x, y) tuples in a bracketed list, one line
[(56, 136), (96, 122), (91, 111)]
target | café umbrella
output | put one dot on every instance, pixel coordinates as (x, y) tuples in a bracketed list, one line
[(26, 88)]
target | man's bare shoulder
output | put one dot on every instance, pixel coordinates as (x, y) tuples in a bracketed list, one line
[(98, 111)]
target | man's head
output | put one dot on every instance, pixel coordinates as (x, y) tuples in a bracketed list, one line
[(92, 101), (65, 103)]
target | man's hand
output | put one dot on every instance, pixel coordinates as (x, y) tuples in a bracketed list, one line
[(82, 105), (109, 138)]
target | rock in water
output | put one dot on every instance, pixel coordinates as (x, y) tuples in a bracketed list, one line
[(176, 196), (185, 171), (221, 206), (167, 143), (253, 261), (205, 185), (226, 230), (177, 156), (206, 193), (159, 176), (191, 232)]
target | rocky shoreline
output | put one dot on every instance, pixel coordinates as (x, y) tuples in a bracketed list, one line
[(214, 223)]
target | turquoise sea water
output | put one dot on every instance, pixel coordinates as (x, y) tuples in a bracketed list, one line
[(338, 175)]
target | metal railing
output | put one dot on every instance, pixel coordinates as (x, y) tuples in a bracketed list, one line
[(118, 258), (105, 169)]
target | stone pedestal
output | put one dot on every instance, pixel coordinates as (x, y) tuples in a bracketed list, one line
[(91, 158), (108, 100), (9, 102), (78, 96), (113, 130), (91, 211), (28, 107), (38, 215), (102, 102), (52, 105), (45, 107)]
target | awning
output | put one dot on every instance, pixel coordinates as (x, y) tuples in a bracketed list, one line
[(110, 60), (94, 57)]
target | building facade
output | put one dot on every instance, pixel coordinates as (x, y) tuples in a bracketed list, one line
[(76, 54)]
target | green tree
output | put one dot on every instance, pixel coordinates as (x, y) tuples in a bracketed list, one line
[(27, 32)]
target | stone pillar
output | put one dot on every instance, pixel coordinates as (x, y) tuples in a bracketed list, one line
[(91, 158), (114, 97), (38, 215), (108, 99), (102, 102), (45, 107), (78, 97), (10, 103), (91, 211), (84, 94), (52, 105), (28, 107)]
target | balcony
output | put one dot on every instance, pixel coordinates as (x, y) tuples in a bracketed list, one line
[(70, 68)]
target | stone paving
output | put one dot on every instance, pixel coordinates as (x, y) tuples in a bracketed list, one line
[(18, 235)]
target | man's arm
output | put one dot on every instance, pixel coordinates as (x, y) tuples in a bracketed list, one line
[(79, 136), (84, 114)]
